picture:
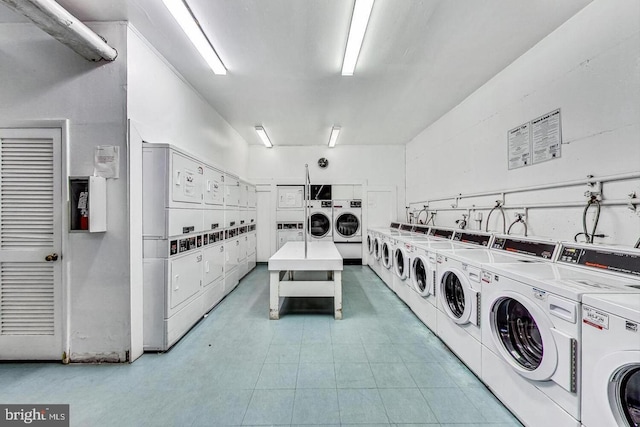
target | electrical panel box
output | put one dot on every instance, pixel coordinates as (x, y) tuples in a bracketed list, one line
[(88, 204)]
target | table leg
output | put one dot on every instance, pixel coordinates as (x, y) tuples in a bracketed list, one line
[(274, 295), (337, 298)]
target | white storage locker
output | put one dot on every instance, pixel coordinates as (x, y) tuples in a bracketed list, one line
[(213, 284), (231, 190), (172, 192), (244, 194), (252, 197), (213, 186), (187, 176), (231, 217), (252, 216), (251, 248), (171, 293), (214, 218), (242, 252)]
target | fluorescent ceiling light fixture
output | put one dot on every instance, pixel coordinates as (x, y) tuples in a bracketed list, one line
[(359, 22), (264, 137), (334, 136), (192, 29)]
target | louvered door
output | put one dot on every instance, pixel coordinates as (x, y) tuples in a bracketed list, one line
[(30, 232)]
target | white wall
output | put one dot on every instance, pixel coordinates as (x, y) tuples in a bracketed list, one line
[(590, 68), (373, 165), (43, 79), (164, 108)]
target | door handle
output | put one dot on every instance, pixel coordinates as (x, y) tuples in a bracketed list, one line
[(51, 257)]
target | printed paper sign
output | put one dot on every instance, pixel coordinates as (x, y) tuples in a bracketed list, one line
[(106, 161), (546, 137), (519, 146)]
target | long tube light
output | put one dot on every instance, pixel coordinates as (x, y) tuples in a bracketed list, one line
[(335, 131), (192, 29), (263, 136), (359, 22), (66, 28)]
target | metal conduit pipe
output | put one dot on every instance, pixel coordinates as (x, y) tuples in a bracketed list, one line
[(614, 202), (64, 27), (610, 178)]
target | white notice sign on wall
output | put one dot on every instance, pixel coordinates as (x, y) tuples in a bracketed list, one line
[(519, 140), (546, 137)]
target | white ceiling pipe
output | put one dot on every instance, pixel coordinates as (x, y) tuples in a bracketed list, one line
[(67, 29)]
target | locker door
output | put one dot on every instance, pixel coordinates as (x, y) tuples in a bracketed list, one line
[(213, 263), (186, 177), (30, 233), (213, 186)]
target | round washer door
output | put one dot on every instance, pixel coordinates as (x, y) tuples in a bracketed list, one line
[(377, 252), (421, 275), (456, 295), (400, 263), (624, 395), (521, 331), (387, 259), (369, 243), (319, 225), (347, 225)]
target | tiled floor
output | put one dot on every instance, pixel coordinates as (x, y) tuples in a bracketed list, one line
[(378, 366)]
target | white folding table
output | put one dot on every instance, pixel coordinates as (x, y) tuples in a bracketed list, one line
[(321, 256)]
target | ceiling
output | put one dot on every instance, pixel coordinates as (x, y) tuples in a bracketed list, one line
[(420, 58)]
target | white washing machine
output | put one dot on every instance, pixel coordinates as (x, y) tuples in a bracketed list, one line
[(459, 288), (369, 249), (386, 260), (402, 245), (422, 278), (611, 360), (347, 221), (319, 224), (531, 314)]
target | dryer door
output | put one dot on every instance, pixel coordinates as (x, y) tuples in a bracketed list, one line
[(369, 244), (624, 394), (319, 225), (400, 263), (420, 276), (387, 259), (377, 248), (459, 300), (347, 224), (525, 337)]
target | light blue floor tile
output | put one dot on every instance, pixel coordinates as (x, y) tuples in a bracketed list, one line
[(349, 353), (237, 376), (450, 405), (354, 375), (270, 407), (283, 353), (489, 406), (316, 353), (220, 407), (392, 375), (430, 375), (316, 406), (382, 353), (316, 375), (361, 406), (237, 366), (278, 376), (461, 374), (406, 406)]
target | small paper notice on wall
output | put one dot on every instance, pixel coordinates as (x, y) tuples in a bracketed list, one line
[(546, 137), (106, 161), (519, 146)]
